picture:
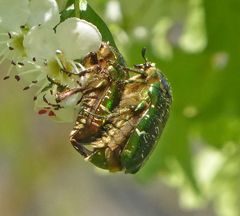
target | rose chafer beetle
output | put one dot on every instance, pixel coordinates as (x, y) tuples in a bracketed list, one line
[(100, 85), (131, 131), (120, 118)]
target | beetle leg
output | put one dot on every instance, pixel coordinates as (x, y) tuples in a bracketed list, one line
[(82, 72), (80, 148), (130, 108), (65, 94), (129, 81), (94, 114), (119, 113), (135, 70), (85, 90)]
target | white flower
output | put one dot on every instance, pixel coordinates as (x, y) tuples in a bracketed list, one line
[(73, 40), (13, 14), (57, 54), (17, 17), (46, 57), (74, 37), (63, 111)]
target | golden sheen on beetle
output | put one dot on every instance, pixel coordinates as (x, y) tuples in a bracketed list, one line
[(122, 119)]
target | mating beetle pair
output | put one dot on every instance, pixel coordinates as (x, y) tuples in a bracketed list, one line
[(133, 128), (120, 118)]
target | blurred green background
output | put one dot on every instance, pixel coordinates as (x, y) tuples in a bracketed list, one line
[(195, 169)]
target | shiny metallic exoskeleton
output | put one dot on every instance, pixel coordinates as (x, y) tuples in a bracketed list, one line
[(121, 120)]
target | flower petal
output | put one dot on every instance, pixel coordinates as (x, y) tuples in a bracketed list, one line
[(62, 4), (30, 73), (40, 43), (43, 12), (77, 38), (13, 14)]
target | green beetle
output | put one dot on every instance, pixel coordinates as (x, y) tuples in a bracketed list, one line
[(134, 127)]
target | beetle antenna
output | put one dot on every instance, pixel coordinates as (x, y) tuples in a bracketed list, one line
[(144, 50)]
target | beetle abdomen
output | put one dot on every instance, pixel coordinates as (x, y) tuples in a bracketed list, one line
[(145, 136)]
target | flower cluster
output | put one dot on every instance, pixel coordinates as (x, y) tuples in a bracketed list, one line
[(45, 52)]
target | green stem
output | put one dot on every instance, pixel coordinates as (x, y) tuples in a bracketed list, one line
[(76, 8)]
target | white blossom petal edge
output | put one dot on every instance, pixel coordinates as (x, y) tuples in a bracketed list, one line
[(13, 14), (43, 12), (77, 37)]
